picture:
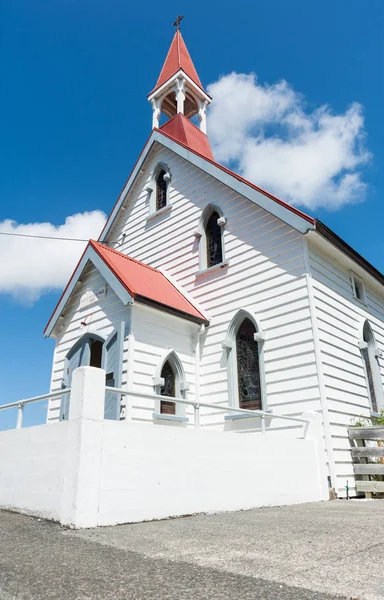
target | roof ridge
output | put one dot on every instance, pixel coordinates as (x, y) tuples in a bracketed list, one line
[(139, 262)]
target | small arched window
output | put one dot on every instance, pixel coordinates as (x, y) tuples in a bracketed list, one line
[(213, 235), (368, 351), (168, 389), (161, 190), (248, 368)]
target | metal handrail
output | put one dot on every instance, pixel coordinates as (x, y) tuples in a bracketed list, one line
[(19, 404), (225, 408)]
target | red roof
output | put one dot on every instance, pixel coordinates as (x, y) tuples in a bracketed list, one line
[(146, 284), (178, 58), (183, 130)]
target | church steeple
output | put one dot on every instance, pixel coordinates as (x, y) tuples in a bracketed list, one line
[(178, 88)]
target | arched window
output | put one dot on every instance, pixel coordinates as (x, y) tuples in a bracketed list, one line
[(168, 389), (369, 353), (248, 368), (161, 190), (213, 240)]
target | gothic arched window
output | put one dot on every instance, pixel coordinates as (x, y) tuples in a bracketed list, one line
[(168, 389), (161, 190), (374, 384), (213, 239), (248, 369)]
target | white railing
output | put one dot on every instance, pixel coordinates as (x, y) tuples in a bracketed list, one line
[(21, 403), (256, 414)]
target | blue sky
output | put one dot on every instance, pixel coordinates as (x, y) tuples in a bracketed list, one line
[(74, 117)]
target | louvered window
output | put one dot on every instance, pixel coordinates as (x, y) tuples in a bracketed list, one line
[(168, 389), (213, 238), (161, 191), (248, 370)]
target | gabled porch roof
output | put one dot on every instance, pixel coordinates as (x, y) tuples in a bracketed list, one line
[(132, 281)]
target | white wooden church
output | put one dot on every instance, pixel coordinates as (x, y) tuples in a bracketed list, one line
[(204, 286)]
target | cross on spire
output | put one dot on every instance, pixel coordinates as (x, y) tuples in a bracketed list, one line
[(178, 21)]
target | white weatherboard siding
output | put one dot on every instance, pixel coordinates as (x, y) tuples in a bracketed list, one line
[(153, 335), (101, 317), (266, 275), (340, 319)]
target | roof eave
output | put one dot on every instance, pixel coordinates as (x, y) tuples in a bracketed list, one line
[(163, 87), (337, 241), (173, 311)]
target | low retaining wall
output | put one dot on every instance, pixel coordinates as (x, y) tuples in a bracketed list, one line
[(32, 463), (88, 471)]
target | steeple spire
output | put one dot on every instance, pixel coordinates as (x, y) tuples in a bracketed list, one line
[(178, 88)]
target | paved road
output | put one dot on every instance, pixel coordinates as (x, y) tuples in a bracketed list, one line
[(309, 552)]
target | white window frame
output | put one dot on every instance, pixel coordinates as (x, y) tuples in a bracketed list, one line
[(358, 283), (201, 239), (151, 191), (181, 387), (374, 353), (229, 345)]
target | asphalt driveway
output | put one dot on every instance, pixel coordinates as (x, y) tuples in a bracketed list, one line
[(313, 551)]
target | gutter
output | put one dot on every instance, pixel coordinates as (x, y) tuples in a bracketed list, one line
[(329, 235)]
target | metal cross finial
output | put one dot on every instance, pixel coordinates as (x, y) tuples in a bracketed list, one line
[(177, 22)]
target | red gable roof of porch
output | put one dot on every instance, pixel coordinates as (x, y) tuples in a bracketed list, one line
[(146, 284)]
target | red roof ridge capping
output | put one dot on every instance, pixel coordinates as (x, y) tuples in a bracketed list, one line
[(184, 131), (155, 290), (177, 58), (95, 244), (293, 209)]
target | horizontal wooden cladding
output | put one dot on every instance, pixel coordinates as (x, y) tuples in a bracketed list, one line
[(366, 433), (369, 469), (367, 452), (370, 486)]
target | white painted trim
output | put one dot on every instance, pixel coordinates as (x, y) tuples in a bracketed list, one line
[(168, 85), (181, 385), (202, 239), (217, 267), (152, 189), (165, 417), (159, 213), (89, 256), (279, 211), (319, 367), (356, 279)]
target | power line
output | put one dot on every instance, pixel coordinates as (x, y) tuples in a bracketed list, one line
[(47, 237)]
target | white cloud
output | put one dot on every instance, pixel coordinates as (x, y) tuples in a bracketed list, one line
[(268, 134), (30, 267)]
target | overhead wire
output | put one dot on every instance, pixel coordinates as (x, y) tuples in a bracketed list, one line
[(48, 237)]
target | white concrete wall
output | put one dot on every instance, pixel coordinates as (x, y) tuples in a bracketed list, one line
[(32, 462), (90, 471), (147, 472)]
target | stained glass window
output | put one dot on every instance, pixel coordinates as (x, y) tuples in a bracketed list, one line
[(248, 372), (161, 191), (213, 237), (168, 389)]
